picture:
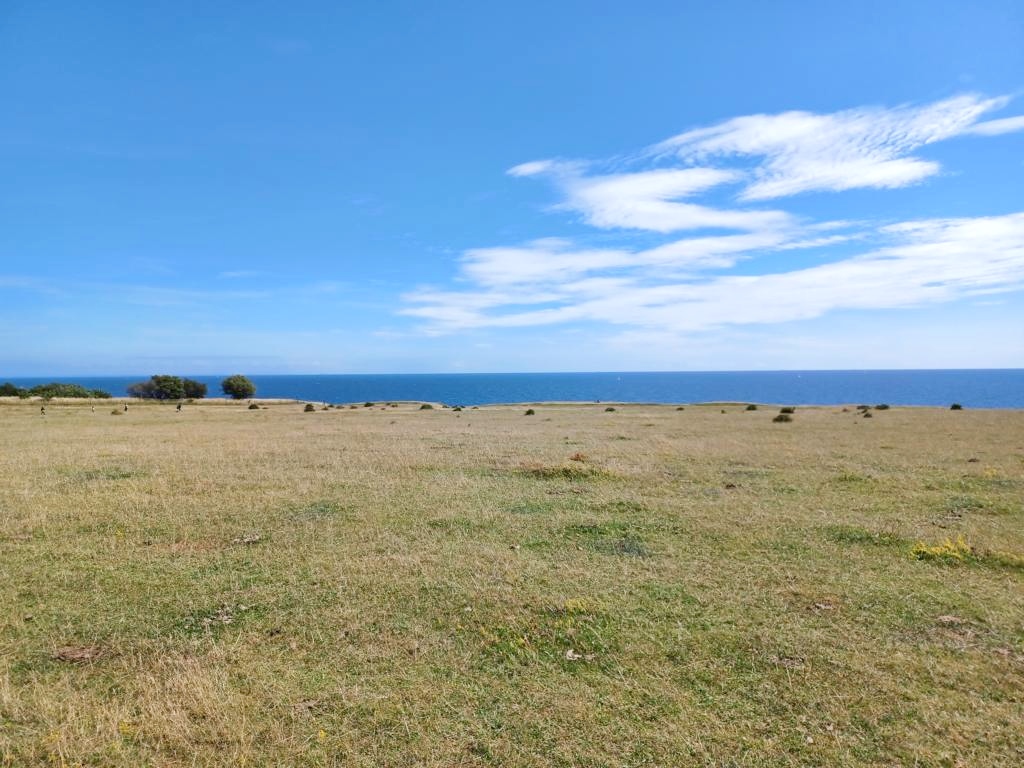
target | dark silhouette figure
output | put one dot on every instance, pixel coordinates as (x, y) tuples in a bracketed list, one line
[(179, 407), (42, 410), (126, 407)]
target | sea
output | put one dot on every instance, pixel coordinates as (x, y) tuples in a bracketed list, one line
[(991, 388)]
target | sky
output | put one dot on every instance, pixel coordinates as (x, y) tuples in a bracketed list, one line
[(400, 187)]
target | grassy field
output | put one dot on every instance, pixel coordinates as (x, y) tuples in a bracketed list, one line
[(390, 586)]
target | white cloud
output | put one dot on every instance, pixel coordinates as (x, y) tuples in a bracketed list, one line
[(668, 288), (547, 260), (535, 168), (923, 262), (997, 127), (648, 200), (865, 147)]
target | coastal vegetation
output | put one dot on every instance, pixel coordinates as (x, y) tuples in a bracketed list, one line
[(365, 587), (51, 390), (238, 387), (162, 387)]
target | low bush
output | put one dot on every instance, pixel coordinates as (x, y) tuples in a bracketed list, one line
[(948, 551), (54, 389), (787, 409), (238, 387), (309, 408), (956, 407), (609, 409), (751, 407), (253, 407), (782, 418), (882, 407), (426, 407), (529, 412)]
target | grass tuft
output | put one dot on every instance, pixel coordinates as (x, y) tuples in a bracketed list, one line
[(948, 551)]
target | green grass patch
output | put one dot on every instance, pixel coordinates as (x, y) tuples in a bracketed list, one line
[(106, 473), (611, 538), (576, 636), (573, 471), (852, 534), (959, 552), (321, 509)]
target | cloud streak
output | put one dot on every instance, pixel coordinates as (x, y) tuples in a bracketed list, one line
[(858, 148), (923, 262), (680, 286)]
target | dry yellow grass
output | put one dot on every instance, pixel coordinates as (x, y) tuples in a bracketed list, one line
[(392, 586)]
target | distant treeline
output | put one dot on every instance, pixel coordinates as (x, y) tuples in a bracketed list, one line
[(168, 388), (53, 389)]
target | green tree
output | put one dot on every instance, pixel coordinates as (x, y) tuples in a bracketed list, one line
[(169, 387), (9, 390), (194, 389), (62, 389), (238, 386), (159, 387)]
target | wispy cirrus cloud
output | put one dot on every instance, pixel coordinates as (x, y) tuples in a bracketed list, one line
[(855, 148), (922, 262), (682, 284), (648, 200)]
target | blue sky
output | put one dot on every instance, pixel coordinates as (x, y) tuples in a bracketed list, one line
[(417, 187)]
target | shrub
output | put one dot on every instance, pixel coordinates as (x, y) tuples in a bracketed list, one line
[(194, 390), (457, 408), (426, 407), (680, 408), (751, 407), (168, 387), (367, 405), (609, 409), (163, 387), (956, 407), (9, 390), (309, 408), (867, 414), (238, 387), (947, 552), (58, 389), (863, 407), (253, 407), (529, 412), (882, 407), (782, 418), (787, 409)]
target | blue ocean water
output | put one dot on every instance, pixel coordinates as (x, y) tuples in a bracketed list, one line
[(972, 388)]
